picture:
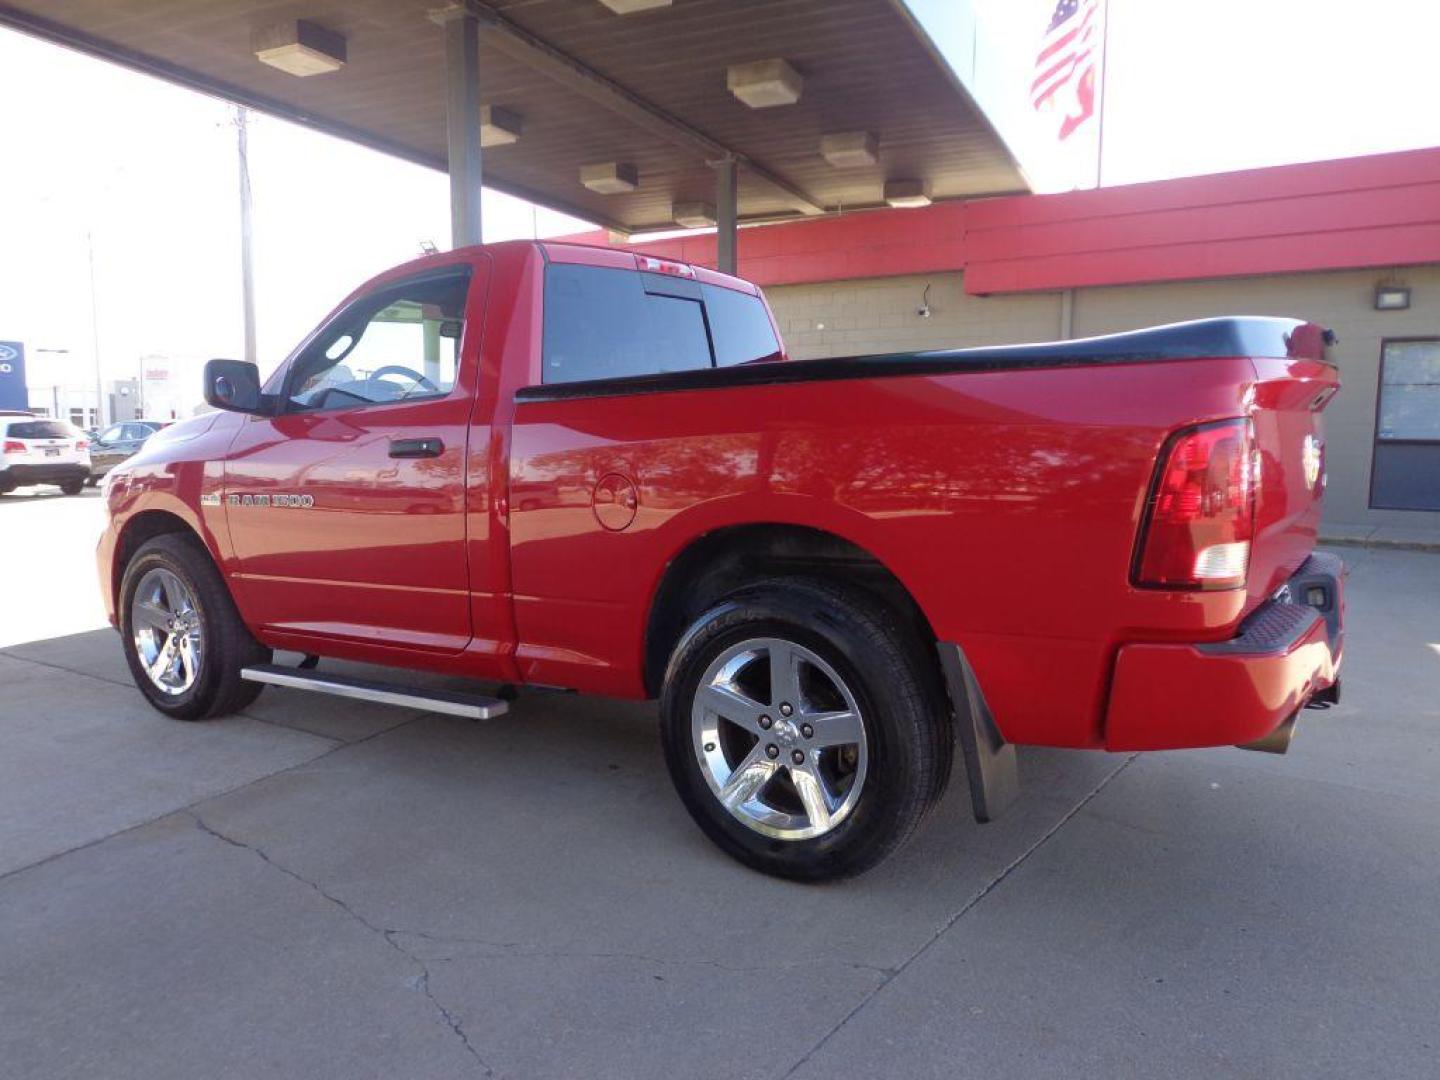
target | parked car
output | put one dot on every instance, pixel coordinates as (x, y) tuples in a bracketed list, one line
[(542, 463), (118, 442), (34, 450)]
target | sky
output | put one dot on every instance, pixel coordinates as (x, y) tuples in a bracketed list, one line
[(147, 171)]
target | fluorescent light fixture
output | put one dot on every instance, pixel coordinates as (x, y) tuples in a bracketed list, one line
[(1392, 297), (849, 149), (300, 48), (764, 84), (499, 126), (610, 177), (629, 7), (694, 215), (906, 194)]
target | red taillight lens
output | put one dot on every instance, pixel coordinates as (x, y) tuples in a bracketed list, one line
[(1201, 514), (15, 446), (82, 444)]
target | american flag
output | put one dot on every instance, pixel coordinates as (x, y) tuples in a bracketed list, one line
[(1064, 85)]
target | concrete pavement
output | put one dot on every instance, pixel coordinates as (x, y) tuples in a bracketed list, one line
[(323, 888)]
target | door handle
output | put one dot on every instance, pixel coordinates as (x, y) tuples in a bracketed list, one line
[(416, 448)]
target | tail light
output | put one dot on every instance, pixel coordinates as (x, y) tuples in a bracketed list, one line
[(82, 444), (1201, 515), (15, 446)]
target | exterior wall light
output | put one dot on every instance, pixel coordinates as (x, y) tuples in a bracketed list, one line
[(629, 7), (499, 126), (849, 149), (1392, 297), (765, 83), (610, 177), (907, 194), (300, 48), (693, 215)]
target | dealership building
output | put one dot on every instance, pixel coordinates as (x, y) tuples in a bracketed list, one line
[(1351, 244)]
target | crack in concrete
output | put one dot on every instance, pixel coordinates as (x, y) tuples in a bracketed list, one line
[(521, 950), (9, 654), (387, 935), (964, 910), (209, 797)]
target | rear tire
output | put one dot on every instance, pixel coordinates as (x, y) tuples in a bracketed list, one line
[(183, 637), (731, 732), (72, 487)]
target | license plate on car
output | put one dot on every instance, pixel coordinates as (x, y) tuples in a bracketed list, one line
[(52, 451)]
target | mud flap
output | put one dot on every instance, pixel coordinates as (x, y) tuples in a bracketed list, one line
[(989, 759)]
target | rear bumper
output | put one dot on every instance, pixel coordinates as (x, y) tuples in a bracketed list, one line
[(20, 475), (1167, 697)]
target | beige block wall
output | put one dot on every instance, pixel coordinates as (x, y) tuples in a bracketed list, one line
[(848, 317), (879, 315)]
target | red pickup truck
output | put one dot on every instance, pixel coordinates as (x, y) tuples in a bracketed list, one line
[(541, 464)]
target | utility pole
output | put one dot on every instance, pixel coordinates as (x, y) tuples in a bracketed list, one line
[(247, 255), (95, 333)]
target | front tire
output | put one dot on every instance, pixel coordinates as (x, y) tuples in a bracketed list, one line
[(183, 638), (804, 729)]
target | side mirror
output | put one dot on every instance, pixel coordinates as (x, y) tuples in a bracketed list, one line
[(234, 385)]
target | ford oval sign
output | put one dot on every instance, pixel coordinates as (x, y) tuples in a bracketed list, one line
[(13, 394)]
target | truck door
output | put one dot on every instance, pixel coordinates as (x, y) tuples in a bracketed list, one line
[(347, 511)]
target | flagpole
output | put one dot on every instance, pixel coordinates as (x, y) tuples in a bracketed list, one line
[(1104, 91)]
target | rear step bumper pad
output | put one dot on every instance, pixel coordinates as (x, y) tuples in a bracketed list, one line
[(1230, 693), (471, 706)]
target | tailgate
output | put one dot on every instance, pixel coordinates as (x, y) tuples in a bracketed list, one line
[(1290, 396), (53, 452)]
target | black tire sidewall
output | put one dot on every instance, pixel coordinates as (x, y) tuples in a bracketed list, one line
[(896, 735), (179, 557)]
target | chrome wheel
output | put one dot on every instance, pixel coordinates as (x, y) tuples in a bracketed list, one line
[(166, 631), (779, 738)]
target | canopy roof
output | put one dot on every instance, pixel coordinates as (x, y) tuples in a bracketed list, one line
[(648, 89)]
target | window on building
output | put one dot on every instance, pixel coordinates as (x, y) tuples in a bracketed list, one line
[(1406, 469)]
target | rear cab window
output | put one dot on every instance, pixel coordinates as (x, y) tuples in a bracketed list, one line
[(740, 326), (610, 323)]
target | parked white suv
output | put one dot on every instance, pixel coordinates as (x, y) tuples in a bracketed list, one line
[(34, 450)]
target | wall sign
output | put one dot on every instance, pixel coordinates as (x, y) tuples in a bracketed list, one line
[(13, 394)]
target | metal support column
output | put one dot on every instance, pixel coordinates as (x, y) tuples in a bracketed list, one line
[(462, 123), (726, 215)]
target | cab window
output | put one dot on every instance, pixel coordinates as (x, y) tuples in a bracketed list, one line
[(740, 326), (401, 343), (602, 323)]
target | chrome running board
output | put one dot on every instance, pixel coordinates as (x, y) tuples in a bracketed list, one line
[(471, 706)]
